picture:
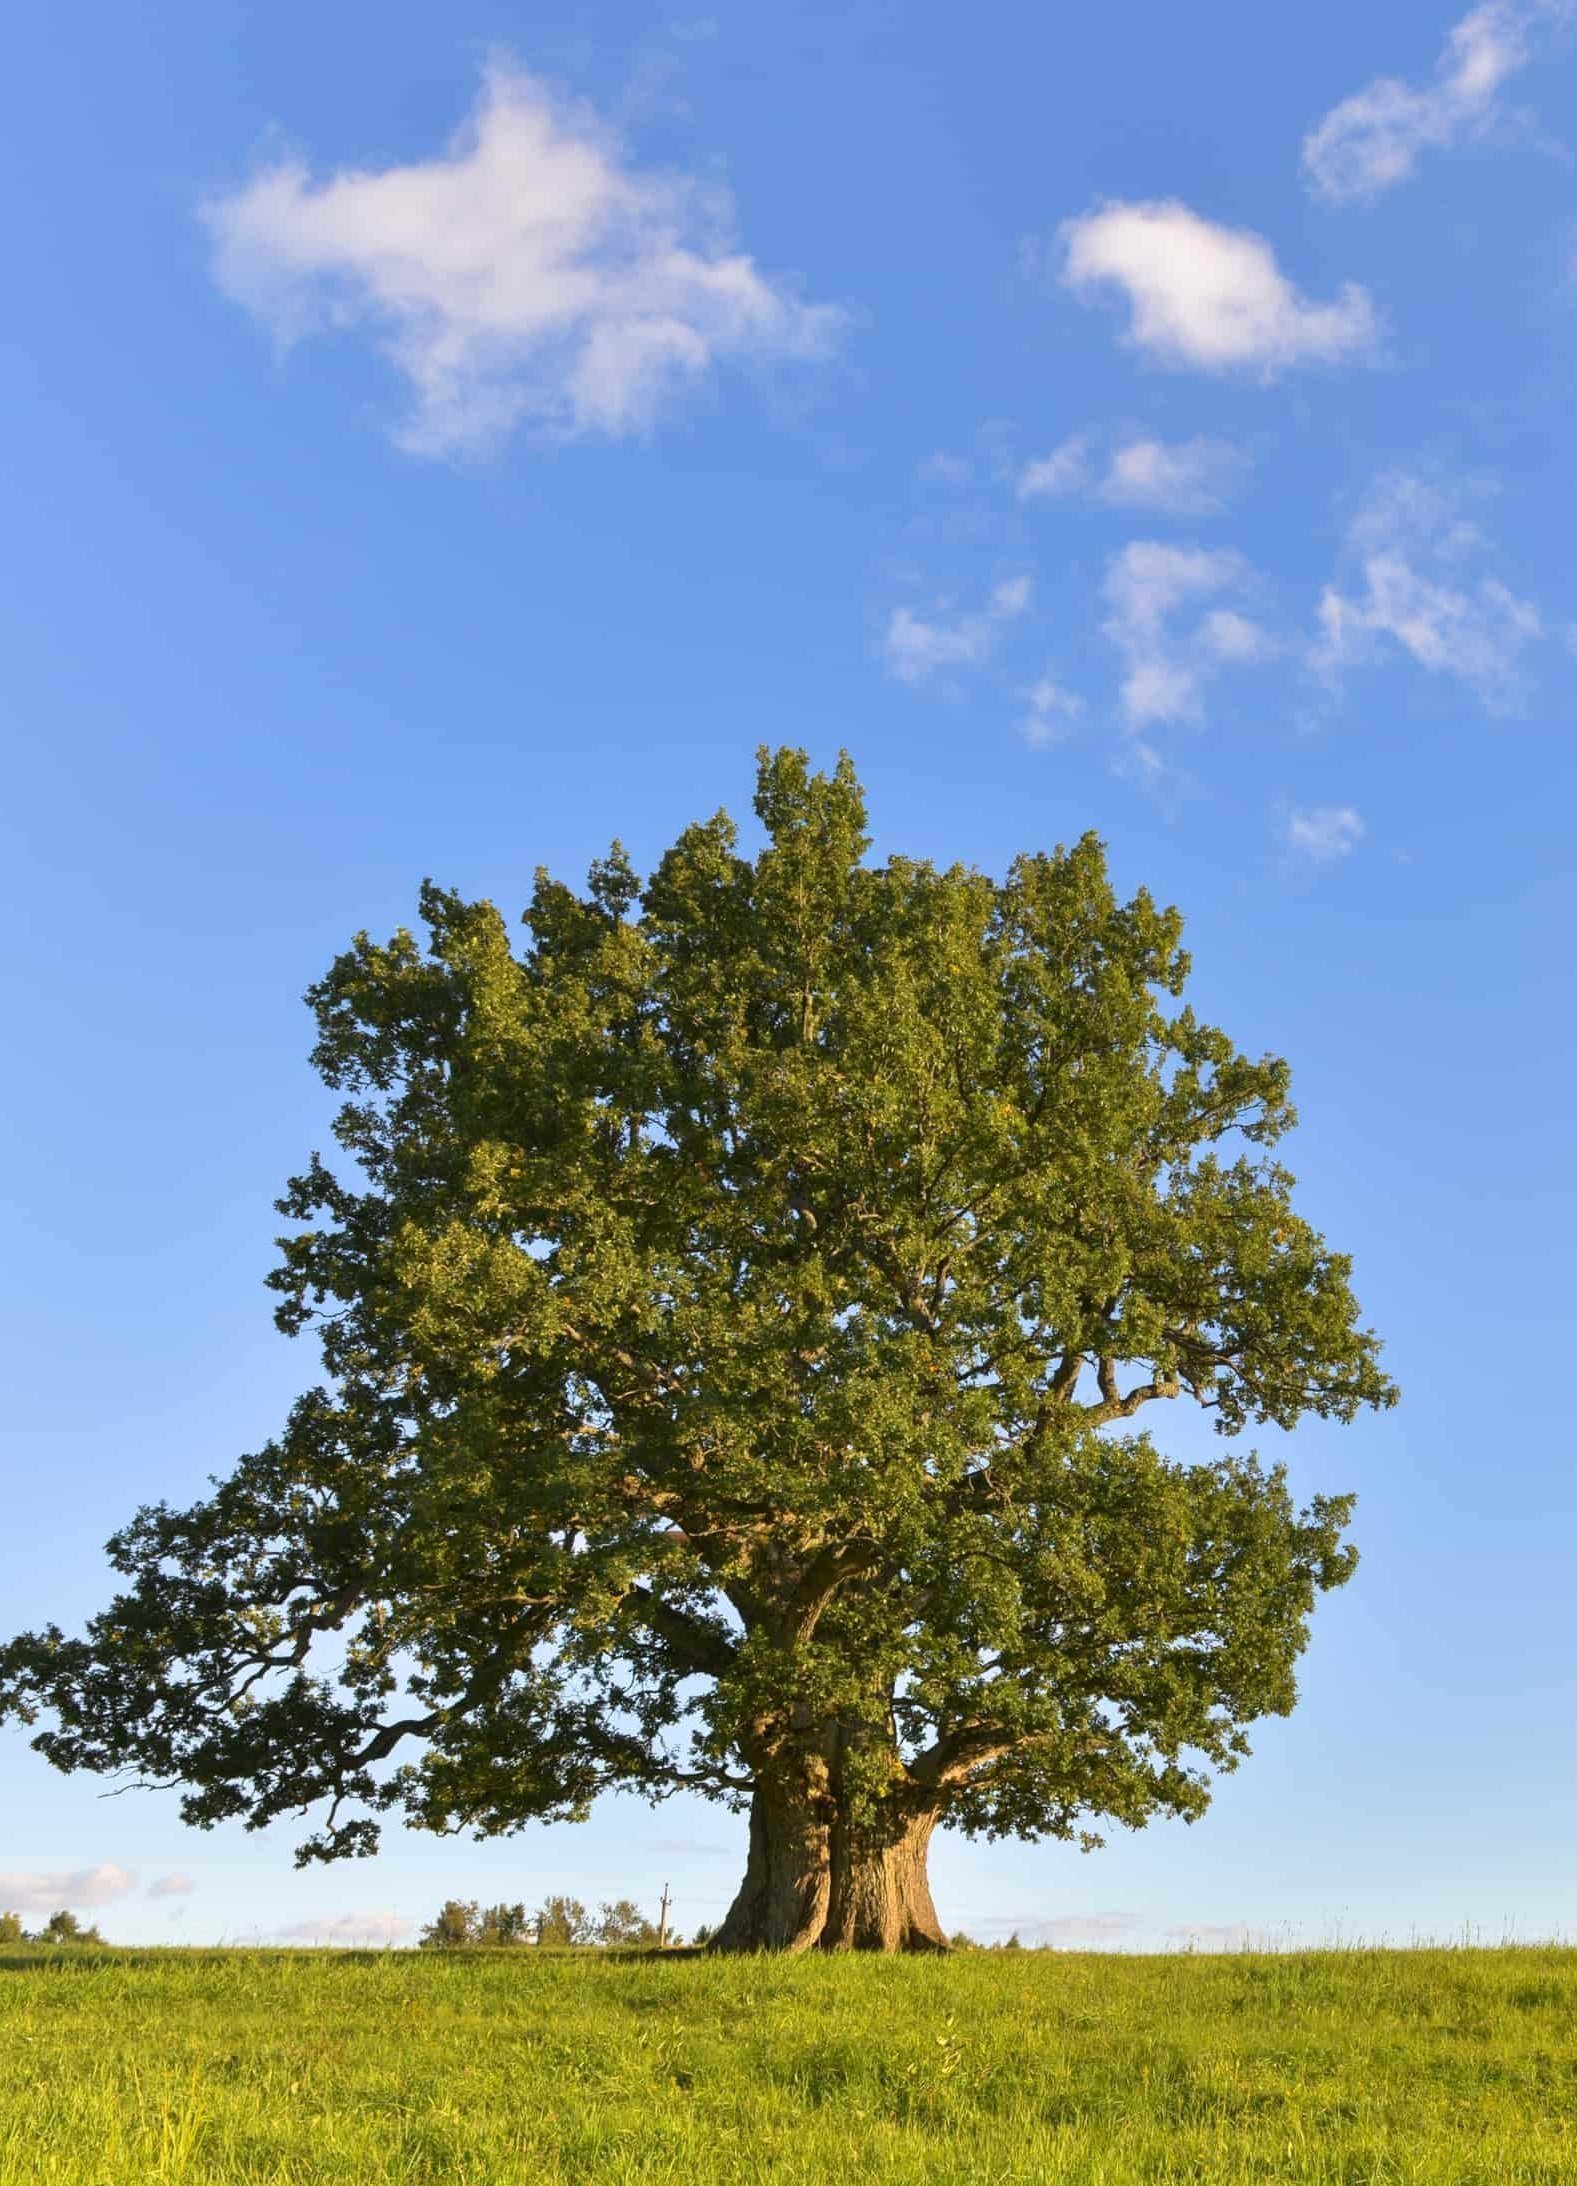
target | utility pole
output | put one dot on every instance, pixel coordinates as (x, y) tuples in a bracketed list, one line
[(662, 1922)]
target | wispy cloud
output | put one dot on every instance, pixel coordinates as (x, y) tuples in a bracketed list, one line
[(50, 1891), (1065, 470), (531, 273), (1148, 587), (1087, 1931), (171, 1886), (1065, 1931), (1178, 478), (1217, 1936), (1203, 295), (943, 469), (1175, 478), (1413, 579), (1325, 832), (380, 1927), (1051, 707), (916, 646), (1373, 139)]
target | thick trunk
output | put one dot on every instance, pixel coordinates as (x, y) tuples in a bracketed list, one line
[(782, 1902), (880, 1898), (812, 1883)]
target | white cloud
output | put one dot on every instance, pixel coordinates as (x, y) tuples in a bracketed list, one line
[(1205, 295), (1065, 1930), (48, 1893), (171, 1886), (1141, 762), (1325, 832), (1050, 704), (1147, 586), (916, 648), (1180, 477), (942, 469), (1218, 1936), (1234, 640), (1087, 1931), (1065, 470), (381, 1927), (1374, 138), (1409, 554), (529, 274)]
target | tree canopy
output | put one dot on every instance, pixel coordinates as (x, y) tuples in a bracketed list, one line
[(735, 1304)]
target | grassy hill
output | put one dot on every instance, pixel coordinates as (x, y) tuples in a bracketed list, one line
[(152, 2068)]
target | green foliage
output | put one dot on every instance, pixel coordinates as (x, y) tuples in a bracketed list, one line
[(62, 1928), (453, 1927), (467, 1926), (734, 1303), (560, 1923), (1351, 2068), (623, 1922), (503, 1925)]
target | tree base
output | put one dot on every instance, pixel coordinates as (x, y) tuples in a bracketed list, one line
[(811, 1885)]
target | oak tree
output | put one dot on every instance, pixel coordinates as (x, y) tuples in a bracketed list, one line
[(739, 1306)]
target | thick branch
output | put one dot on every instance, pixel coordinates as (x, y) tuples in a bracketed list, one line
[(1115, 1406), (822, 1577), (700, 1647), (958, 1753)]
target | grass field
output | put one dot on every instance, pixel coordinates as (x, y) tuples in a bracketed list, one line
[(488, 2070)]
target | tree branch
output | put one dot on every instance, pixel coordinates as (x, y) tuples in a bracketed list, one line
[(822, 1577), (705, 1650), (1115, 1406)]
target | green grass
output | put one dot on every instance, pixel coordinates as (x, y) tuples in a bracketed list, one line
[(484, 2070)]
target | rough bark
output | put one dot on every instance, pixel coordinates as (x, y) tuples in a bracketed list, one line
[(813, 1883), (782, 1902), (880, 1895)]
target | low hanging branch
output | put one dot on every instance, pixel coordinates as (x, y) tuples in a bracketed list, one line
[(729, 1309)]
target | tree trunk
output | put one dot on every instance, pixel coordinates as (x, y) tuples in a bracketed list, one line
[(880, 1899), (782, 1902), (812, 1883)]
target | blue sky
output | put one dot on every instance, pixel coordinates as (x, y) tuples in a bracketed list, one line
[(439, 445)]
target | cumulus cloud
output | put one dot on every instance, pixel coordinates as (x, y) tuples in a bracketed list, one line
[(1051, 706), (1179, 477), (1148, 587), (1374, 138), (916, 647), (1065, 470), (381, 1927), (1325, 832), (171, 1886), (528, 274), (47, 1893), (1205, 295), (1233, 640), (1413, 578), (943, 469)]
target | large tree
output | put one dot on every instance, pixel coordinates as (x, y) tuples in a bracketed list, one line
[(734, 1311)]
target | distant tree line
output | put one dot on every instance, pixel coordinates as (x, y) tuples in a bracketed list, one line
[(558, 1923), (61, 1927)]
